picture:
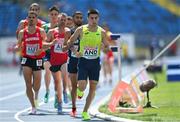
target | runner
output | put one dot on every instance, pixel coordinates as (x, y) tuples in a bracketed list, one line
[(58, 58), (31, 39), (53, 18), (73, 61), (108, 58), (91, 38), (23, 24)]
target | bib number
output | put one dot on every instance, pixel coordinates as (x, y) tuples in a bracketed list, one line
[(58, 46), (23, 61), (39, 62), (31, 49), (90, 53)]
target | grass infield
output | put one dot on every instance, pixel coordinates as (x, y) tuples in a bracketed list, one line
[(166, 96)]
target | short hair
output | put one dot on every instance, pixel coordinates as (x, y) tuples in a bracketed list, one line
[(69, 18), (63, 14), (76, 12), (34, 4), (93, 11), (32, 12), (54, 8)]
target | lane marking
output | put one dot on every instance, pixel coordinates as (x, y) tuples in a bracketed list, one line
[(16, 116), (12, 95)]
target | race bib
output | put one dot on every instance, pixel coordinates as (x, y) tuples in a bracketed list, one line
[(39, 62), (31, 49), (23, 61), (58, 46), (90, 52)]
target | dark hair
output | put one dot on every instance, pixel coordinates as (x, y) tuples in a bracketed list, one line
[(69, 18), (34, 4), (93, 11), (76, 12), (32, 12), (54, 8)]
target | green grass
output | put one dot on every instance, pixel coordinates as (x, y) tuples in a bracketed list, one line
[(166, 96)]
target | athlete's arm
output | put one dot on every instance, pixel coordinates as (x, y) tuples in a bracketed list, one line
[(49, 40), (20, 27), (74, 37), (104, 40), (66, 37), (19, 43)]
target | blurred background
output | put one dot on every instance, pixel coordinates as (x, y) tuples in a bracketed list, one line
[(146, 26)]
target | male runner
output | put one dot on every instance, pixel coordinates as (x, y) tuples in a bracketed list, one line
[(91, 37)]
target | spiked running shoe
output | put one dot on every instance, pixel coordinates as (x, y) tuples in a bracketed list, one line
[(33, 111), (79, 93), (86, 116), (59, 108), (46, 97), (73, 112), (65, 97)]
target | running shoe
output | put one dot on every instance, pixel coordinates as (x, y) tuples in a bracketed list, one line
[(46, 97), (33, 111), (59, 108), (79, 93), (36, 103), (55, 101), (73, 112), (65, 97), (86, 116)]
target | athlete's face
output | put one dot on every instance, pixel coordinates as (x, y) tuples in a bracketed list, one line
[(32, 19), (35, 9), (93, 19), (78, 19), (61, 20), (53, 16), (69, 22)]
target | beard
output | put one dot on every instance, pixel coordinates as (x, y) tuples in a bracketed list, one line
[(61, 24), (78, 24), (31, 23)]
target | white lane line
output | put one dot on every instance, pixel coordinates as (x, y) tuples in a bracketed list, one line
[(10, 86), (5, 111), (16, 116), (12, 95)]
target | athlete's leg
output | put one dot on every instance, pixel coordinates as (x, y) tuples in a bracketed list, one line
[(47, 78), (65, 80), (57, 82), (91, 94), (47, 75), (110, 67), (73, 77), (28, 73), (36, 84)]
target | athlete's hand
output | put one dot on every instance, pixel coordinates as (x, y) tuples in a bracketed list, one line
[(38, 52), (78, 54), (54, 41)]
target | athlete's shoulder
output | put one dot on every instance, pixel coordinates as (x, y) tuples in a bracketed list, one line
[(22, 31), (80, 27), (42, 22), (67, 29), (22, 22)]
